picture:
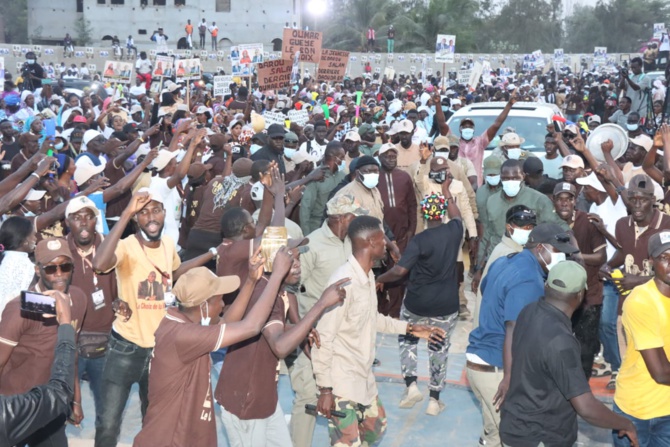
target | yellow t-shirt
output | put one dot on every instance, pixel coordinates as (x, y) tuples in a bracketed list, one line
[(143, 287), (647, 324)]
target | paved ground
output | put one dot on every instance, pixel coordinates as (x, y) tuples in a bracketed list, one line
[(459, 424)]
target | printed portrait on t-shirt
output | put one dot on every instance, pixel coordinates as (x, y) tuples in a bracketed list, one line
[(630, 267), (150, 289)]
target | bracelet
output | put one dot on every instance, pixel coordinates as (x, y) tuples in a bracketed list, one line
[(410, 328), (76, 403), (35, 174), (214, 252), (141, 139)]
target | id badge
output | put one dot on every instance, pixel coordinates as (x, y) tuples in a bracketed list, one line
[(169, 298), (98, 299)]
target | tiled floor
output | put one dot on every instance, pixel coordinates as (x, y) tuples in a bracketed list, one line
[(458, 425)]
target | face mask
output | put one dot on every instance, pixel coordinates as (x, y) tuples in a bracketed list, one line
[(442, 154), (445, 109), (29, 214), (632, 127), (257, 190), (467, 134), (254, 148), (59, 146), (377, 160), (514, 153), (511, 187), (493, 180), (342, 166), (31, 61), (520, 236), (288, 153), (370, 180), (555, 258), (204, 319)]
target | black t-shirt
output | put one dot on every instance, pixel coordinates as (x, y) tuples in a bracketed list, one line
[(37, 71), (430, 256), (265, 153), (11, 150), (546, 374)]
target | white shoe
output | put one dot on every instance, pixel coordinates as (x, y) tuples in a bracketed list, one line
[(411, 397), (435, 407)]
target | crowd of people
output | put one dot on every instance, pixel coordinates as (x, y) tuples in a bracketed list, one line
[(193, 233)]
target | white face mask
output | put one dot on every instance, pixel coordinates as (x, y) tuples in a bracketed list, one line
[(467, 134), (205, 319), (342, 166), (288, 153), (257, 190), (493, 180), (58, 146), (254, 148), (520, 236), (370, 180), (30, 61), (511, 187), (514, 153), (555, 258), (442, 154)]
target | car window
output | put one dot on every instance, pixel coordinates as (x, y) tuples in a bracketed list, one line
[(532, 129)]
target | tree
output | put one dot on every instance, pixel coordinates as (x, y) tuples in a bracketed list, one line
[(14, 13), (530, 25), (347, 29), (84, 32)]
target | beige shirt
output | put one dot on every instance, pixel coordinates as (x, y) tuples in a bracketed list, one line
[(348, 336), (369, 199), (326, 254), (407, 157), (457, 190)]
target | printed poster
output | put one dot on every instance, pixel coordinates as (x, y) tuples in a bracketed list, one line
[(163, 67), (559, 57), (539, 59), (659, 29), (188, 69), (445, 48), (118, 72), (600, 56), (244, 57)]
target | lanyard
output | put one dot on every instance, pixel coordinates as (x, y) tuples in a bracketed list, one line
[(86, 262), (163, 273)]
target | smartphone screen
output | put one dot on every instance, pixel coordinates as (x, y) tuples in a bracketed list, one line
[(37, 303), (49, 128)]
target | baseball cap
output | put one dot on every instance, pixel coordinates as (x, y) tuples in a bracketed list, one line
[(387, 147), (552, 234), (291, 137), (441, 142), (562, 187), (89, 135), (136, 108), (79, 119), (492, 165), (573, 161), (404, 126), (641, 183), (162, 159), (35, 194), (85, 169), (591, 180), (49, 249), (352, 135), (364, 160), (594, 119), (276, 130), (533, 165), (300, 156), (643, 140), (365, 128), (521, 215), (79, 203), (199, 284), (130, 128), (154, 195), (567, 277), (196, 170), (344, 204), (658, 243), (511, 139), (464, 120)]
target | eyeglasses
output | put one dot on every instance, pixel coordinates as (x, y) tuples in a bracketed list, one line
[(51, 269)]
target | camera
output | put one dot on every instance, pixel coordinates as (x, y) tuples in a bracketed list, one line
[(438, 177)]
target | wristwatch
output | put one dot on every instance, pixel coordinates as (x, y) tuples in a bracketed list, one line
[(214, 252)]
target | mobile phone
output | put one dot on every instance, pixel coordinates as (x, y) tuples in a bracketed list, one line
[(338, 414), (49, 128), (557, 126), (37, 303)]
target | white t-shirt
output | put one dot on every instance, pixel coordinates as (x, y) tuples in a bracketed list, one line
[(172, 205), (610, 213), (552, 167), (665, 43), (316, 149), (143, 66)]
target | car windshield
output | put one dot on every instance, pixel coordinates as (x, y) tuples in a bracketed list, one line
[(532, 129)]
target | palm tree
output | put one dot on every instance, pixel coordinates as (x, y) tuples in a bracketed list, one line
[(348, 28)]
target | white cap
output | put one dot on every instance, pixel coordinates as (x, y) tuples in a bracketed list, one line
[(35, 194), (153, 193), (89, 135), (591, 180), (387, 147), (352, 135), (163, 158), (79, 203), (573, 161), (301, 156), (456, 102), (643, 140), (395, 107), (136, 108), (511, 139), (85, 169)]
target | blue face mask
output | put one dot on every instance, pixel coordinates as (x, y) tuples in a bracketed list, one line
[(342, 166), (467, 134), (58, 146), (632, 127), (254, 148), (445, 109), (288, 153)]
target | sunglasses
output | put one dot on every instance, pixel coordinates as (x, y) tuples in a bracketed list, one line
[(64, 268)]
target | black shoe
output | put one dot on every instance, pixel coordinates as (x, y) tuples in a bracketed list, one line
[(376, 363)]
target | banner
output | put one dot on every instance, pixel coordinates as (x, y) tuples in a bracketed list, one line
[(188, 69), (539, 59), (119, 72), (307, 42), (163, 66), (463, 76), (274, 75), (445, 48), (333, 65), (600, 56), (559, 57), (300, 117), (222, 85)]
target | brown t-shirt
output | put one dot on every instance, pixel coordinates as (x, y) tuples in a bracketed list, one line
[(33, 341), (590, 241), (234, 260), (99, 315), (247, 386), (634, 243), (218, 162), (214, 205), (181, 411), (116, 206)]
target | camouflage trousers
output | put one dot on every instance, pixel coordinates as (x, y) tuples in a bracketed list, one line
[(437, 354), (363, 425)]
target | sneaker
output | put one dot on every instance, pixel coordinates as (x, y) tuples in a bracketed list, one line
[(611, 385), (463, 312), (411, 397), (435, 407)]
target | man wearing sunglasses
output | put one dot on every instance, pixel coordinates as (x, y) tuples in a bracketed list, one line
[(512, 283), (28, 341)]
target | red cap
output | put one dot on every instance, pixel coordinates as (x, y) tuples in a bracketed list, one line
[(79, 119)]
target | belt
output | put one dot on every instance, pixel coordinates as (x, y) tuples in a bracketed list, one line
[(119, 337), (481, 368)]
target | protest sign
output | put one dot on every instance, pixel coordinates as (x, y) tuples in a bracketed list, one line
[(486, 73), (295, 69), (445, 47), (274, 118), (463, 76), (274, 75), (163, 66), (600, 56), (188, 69), (307, 42), (659, 29), (389, 72), (119, 72), (333, 65), (222, 85), (2, 67), (476, 73), (539, 59), (559, 57), (300, 117)]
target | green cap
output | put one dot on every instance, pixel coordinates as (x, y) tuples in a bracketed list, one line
[(364, 128), (567, 277), (492, 165)]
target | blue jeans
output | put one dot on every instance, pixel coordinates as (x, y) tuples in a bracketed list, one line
[(125, 365), (573, 118), (608, 333), (93, 369), (651, 433)]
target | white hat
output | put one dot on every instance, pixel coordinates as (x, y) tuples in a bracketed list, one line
[(573, 161), (395, 107), (591, 180), (153, 193), (643, 140), (163, 158), (85, 169), (456, 102), (89, 135), (35, 194), (511, 139), (594, 119), (136, 108), (79, 203), (401, 126), (352, 135), (143, 149), (387, 147), (301, 156)]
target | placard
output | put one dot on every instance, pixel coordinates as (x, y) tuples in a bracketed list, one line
[(300, 117), (333, 65), (2, 67), (559, 57), (475, 75), (539, 59), (307, 42), (222, 85), (163, 66), (274, 75), (445, 48), (463, 76), (274, 118), (389, 72), (188, 69), (119, 72), (659, 29), (600, 56)]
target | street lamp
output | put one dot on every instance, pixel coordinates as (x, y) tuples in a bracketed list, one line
[(317, 8)]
